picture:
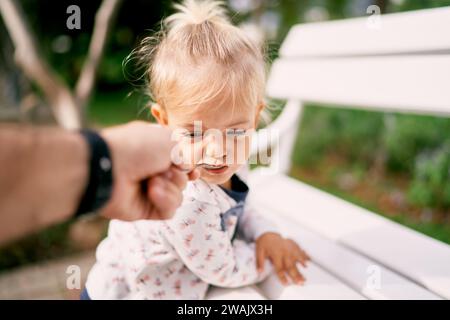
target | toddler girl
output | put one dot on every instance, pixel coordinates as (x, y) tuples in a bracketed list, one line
[(205, 75)]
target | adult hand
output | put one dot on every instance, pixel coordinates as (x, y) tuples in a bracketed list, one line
[(146, 183)]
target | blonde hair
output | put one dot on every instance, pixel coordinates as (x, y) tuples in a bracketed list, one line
[(199, 56)]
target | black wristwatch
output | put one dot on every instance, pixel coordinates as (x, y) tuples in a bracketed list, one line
[(99, 187)]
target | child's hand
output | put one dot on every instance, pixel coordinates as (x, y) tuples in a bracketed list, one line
[(283, 253)]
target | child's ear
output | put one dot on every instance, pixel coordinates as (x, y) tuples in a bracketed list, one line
[(159, 114), (259, 109)]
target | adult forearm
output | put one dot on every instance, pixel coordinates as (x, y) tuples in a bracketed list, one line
[(43, 173)]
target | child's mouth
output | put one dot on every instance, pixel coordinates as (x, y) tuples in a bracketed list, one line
[(214, 169)]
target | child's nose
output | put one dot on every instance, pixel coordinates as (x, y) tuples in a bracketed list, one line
[(214, 149)]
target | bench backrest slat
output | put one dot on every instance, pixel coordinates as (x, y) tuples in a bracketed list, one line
[(408, 32), (402, 66), (419, 84)]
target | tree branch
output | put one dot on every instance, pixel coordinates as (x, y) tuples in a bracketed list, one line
[(35, 67), (104, 22)]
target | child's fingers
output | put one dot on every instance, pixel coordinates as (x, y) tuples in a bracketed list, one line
[(279, 269), (299, 253), (281, 275), (302, 257), (290, 265), (305, 255), (260, 258)]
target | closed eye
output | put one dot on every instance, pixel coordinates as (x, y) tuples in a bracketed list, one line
[(193, 134)]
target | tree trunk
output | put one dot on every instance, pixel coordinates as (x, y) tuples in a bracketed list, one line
[(67, 107), (32, 63), (104, 22)]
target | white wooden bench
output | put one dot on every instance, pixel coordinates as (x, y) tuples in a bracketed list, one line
[(403, 66)]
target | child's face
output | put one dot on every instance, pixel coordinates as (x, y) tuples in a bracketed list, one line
[(229, 137)]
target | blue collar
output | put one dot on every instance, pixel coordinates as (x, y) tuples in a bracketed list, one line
[(239, 189)]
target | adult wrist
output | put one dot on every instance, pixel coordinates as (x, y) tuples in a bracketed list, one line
[(99, 186)]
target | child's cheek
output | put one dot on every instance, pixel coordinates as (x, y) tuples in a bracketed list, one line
[(238, 151)]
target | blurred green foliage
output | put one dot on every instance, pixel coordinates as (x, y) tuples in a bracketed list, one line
[(406, 136), (417, 147), (431, 182), (355, 133), (138, 18), (113, 108)]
